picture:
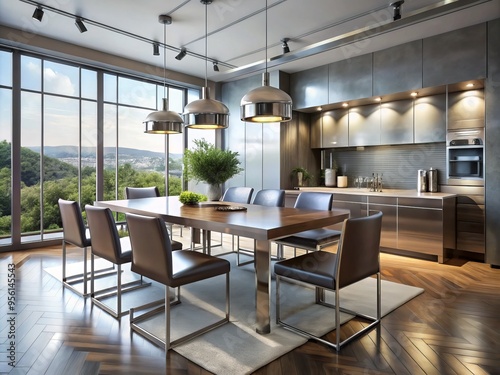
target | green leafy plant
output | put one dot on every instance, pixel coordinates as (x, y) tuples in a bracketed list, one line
[(305, 174), (190, 197), (209, 164)]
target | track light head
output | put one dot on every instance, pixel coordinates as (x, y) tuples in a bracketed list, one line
[(216, 66), (80, 25), (397, 9), (284, 45), (38, 14), (181, 54), (156, 49)]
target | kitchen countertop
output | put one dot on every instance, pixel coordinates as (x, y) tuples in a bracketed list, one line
[(398, 193)]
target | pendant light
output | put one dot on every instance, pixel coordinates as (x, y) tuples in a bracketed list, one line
[(266, 103), (206, 113), (164, 121)]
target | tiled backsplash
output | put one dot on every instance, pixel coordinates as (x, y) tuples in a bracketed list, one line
[(399, 164)]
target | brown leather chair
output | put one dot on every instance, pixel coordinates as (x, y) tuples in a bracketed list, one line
[(152, 257), (148, 192), (314, 239), (107, 244), (264, 197), (357, 257), (74, 233)]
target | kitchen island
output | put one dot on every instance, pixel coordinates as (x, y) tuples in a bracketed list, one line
[(420, 224)]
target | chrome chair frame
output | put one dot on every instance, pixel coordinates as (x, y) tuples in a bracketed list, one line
[(340, 279), (74, 233), (152, 309), (106, 234)]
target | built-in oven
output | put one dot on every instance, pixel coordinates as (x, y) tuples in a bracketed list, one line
[(465, 157)]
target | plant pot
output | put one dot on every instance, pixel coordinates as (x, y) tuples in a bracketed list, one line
[(214, 192)]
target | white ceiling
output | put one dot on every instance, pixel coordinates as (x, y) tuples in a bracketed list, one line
[(317, 29)]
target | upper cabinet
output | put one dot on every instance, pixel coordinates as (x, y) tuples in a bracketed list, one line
[(309, 88), (396, 126), (466, 109), (335, 128), (430, 119), (397, 69), (455, 56), (364, 125), (350, 79), (316, 130)]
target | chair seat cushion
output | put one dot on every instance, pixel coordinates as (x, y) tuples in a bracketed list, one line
[(314, 268), (191, 266), (310, 239)]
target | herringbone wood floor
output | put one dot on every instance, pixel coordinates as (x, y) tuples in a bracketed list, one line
[(453, 328)]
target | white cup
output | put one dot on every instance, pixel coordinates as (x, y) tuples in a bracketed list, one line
[(341, 181)]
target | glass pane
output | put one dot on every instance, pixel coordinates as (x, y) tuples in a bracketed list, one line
[(88, 153), (137, 93), (60, 156), (109, 143), (89, 84), (141, 156), (31, 136), (31, 73), (5, 68), (5, 165), (109, 88), (61, 79), (176, 100)]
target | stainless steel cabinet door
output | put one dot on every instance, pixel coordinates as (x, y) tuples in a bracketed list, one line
[(466, 109), (335, 128), (430, 119), (364, 125), (396, 125)]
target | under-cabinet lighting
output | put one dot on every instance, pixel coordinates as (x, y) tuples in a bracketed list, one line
[(414, 94), (469, 85), (378, 99), (345, 105), (319, 108)]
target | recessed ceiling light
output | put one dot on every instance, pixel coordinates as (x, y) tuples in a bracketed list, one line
[(345, 105), (319, 108), (378, 99), (469, 85), (414, 93)]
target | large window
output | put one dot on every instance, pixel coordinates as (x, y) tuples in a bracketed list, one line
[(59, 106), (5, 146)]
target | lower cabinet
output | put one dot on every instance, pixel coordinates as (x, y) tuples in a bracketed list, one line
[(389, 209)]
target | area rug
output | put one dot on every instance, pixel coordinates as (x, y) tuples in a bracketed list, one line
[(235, 348)]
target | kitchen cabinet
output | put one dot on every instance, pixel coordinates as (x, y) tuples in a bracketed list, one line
[(356, 204), (316, 136), (350, 79), (309, 88), (456, 56), (364, 125), (396, 125), (398, 69), (430, 119), (335, 128), (388, 207), (466, 109), (426, 226)]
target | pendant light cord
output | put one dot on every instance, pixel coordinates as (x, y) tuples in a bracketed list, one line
[(164, 59), (266, 36), (206, 43)]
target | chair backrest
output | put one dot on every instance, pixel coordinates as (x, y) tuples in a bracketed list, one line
[(72, 222), (239, 194), (358, 254), (270, 197), (141, 192), (105, 238), (151, 248), (314, 201)]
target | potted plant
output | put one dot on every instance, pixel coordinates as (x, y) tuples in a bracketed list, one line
[(212, 165), (191, 198), (302, 175)]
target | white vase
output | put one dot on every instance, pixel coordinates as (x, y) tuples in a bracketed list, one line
[(214, 192)]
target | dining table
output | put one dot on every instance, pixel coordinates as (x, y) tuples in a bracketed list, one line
[(262, 223)]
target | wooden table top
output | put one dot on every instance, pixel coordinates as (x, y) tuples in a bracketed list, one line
[(258, 222)]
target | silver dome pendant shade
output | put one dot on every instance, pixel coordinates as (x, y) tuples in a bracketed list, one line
[(206, 113), (266, 103), (164, 121)]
